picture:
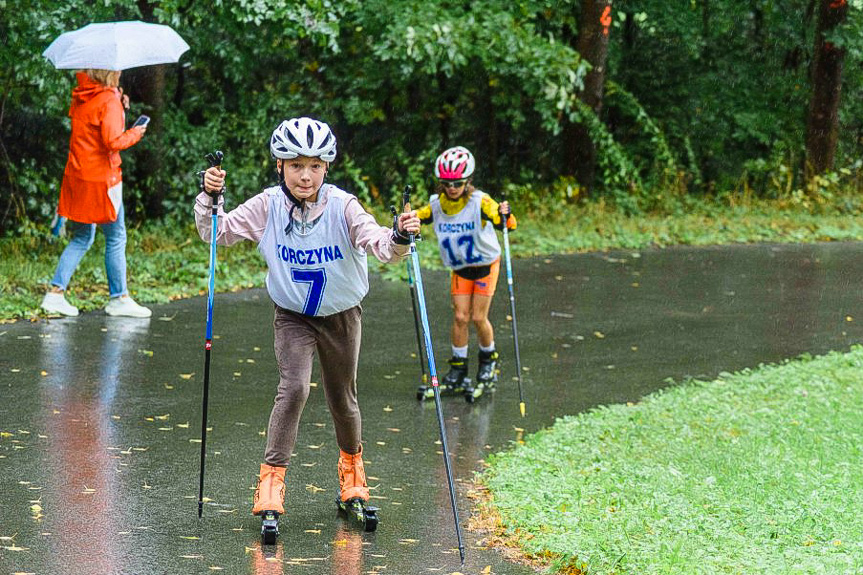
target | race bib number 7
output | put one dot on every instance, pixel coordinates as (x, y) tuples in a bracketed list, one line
[(317, 280)]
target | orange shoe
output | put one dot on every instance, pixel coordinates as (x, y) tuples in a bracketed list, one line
[(270, 492), (352, 476)]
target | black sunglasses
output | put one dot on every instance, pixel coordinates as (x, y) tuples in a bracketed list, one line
[(453, 183)]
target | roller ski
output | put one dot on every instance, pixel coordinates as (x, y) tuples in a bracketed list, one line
[(453, 383), (486, 376), (353, 496), (269, 501)]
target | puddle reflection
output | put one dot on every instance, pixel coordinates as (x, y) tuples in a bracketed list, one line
[(83, 462)]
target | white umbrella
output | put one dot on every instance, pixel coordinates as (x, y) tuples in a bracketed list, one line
[(116, 46)]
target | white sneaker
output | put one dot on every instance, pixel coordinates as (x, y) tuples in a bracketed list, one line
[(126, 306), (54, 302)]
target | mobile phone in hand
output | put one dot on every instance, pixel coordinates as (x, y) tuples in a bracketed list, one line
[(141, 121)]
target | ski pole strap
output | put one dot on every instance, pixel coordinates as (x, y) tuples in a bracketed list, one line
[(398, 236)]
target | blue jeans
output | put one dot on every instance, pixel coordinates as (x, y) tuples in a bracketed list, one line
[(115, 253)]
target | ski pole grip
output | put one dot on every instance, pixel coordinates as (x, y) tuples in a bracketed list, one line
[(215, 159), (406, 206), (406, 199)]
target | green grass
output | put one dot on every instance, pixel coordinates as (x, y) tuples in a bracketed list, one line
[(756, 472), (167, 262)]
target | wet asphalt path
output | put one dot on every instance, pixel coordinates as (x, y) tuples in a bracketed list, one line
[(100, 416)]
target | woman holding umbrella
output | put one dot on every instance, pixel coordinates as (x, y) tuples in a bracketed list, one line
[(92, 190)]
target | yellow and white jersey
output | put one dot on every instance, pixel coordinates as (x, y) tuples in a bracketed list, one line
[(465, 236)]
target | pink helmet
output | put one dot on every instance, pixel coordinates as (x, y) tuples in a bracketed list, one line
[(454, 164)]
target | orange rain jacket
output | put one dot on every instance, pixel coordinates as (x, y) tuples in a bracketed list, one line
[(98, 135)]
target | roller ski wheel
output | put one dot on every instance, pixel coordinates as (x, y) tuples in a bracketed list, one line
[(269, 527), (360, 512), (471, 394), (425, 392), (453, 383)]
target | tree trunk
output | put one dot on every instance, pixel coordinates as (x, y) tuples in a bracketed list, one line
[(489, 137), (148, 84), (594, 29), (822, 125), (706, 52), (445, 115)]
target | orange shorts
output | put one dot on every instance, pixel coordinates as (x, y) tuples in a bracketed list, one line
[(480, 286)]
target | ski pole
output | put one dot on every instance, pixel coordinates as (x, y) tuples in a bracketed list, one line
[(432, 372), (512, 308), (215, 160), (413, 290), (413, 287)]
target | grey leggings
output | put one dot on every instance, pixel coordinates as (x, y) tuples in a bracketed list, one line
[(336, 338)]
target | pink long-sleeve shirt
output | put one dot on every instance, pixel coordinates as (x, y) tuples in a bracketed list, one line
[(248, 221)]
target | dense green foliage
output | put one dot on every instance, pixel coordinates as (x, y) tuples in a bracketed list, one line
[(756, 472), (705, 97)]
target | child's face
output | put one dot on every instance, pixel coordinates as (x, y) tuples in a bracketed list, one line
[(454, 188), (304, 176)]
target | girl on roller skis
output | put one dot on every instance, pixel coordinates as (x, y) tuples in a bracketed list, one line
[(465, 220), (314, 238)]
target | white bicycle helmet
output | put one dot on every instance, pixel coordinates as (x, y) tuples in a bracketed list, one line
[(303, 137), (454, 164)]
